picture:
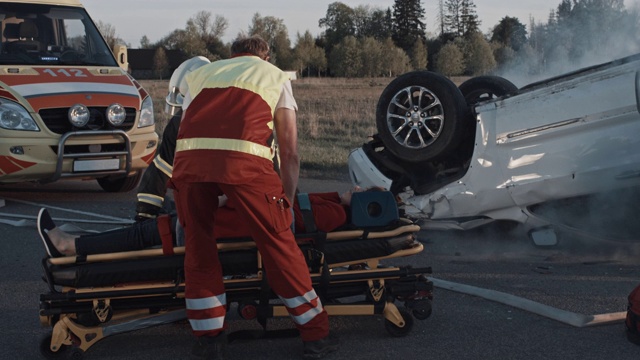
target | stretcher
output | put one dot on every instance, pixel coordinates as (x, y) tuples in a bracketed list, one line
[(92, 297)]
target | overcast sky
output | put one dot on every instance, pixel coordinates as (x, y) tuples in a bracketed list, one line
[(157, 18)]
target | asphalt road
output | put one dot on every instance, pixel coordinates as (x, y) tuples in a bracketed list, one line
[(579, 279)]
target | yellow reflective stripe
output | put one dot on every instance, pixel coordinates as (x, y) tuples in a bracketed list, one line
[(207, 324), (294, 302), (206, 303), (242, 146), (163, 166), (150, 199)]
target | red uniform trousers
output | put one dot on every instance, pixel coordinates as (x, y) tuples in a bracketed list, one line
[(264, 211)]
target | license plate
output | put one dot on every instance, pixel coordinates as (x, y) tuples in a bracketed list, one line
[(96, 165)]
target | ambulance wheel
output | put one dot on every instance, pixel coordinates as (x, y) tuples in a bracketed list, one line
[(120, 183), (45, 349), (397, 331)]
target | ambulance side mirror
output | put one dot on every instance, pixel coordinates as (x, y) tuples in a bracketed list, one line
[(120, 51)]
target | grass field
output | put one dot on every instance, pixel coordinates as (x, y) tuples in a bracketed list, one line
[(335, 115)]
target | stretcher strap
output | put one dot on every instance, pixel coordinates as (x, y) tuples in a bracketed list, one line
[(324, 283), (307, 213), (164, 228)]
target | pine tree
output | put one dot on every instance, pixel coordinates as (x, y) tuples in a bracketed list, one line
[(408, 26), (452, 11), (510, 32), (441, 16), (460, 17), (469, 18)]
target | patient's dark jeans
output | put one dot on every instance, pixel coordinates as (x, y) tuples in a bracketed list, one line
[(138, 236)]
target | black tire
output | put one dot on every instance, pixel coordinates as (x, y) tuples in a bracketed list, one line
[(420, 308), (120, 184), (397, 331), (483, 88), (248, 310), (45, 349), (477, 90), (76, 354), (420, 116)]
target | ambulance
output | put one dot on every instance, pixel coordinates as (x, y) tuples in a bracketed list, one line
[(68, 107)]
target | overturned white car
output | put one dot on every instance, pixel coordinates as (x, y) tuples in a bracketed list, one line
[(462, 157)]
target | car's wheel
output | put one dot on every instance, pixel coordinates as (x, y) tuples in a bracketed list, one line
[(483, 88), (120, 184), (420, 116), (476, 90)]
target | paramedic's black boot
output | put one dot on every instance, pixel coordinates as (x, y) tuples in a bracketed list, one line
[(210, 347), (319, 348)]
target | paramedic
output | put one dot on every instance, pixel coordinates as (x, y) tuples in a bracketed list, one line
[(230, 113), (153, 186)]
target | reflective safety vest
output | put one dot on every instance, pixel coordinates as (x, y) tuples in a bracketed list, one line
[(226, 130)]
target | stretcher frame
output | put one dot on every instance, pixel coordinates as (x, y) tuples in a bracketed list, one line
[(83, 315)]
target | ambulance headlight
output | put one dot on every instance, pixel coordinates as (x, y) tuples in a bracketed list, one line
[(116, 114), (79, 115), (146, 113), (15, 117)]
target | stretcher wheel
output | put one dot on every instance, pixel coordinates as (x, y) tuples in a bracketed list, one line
[(397, 331), (76, 354), (248, 310), (421, 309), (65, 351), (45, 349)]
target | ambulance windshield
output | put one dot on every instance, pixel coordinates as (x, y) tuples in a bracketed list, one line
[(50, 35)]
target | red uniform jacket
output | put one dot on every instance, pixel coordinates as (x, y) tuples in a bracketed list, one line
[(328, 214)]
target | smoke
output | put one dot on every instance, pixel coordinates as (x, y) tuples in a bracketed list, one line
[(581, 39), (494, 242), (604, 224)]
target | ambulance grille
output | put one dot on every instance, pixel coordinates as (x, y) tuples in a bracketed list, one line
[(57, 120)]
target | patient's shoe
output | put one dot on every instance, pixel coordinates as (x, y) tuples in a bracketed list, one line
[(210, 347), (45, 224), (319, 348)]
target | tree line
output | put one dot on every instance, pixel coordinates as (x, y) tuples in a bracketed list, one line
[(366, 41)]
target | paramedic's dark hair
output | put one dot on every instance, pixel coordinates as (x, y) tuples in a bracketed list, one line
[(254, 45)]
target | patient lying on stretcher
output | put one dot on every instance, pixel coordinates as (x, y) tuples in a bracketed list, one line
[(330, 211)]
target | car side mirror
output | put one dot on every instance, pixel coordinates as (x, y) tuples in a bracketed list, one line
[(543, 237)]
